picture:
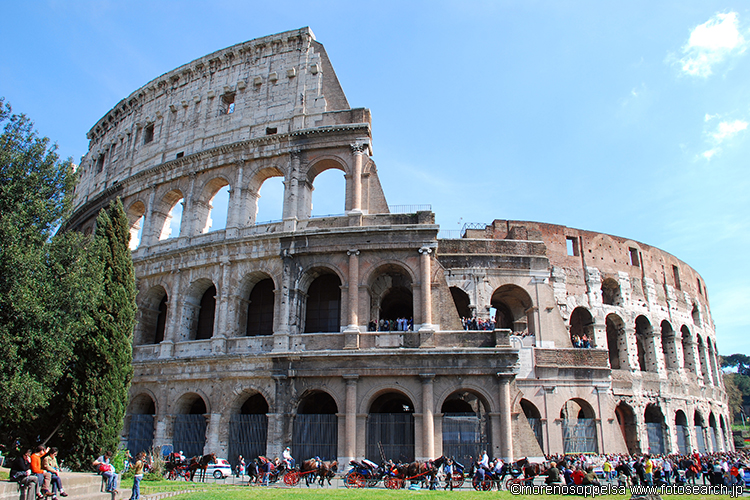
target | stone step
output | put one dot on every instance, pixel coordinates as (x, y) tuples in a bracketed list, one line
[(78, 485)]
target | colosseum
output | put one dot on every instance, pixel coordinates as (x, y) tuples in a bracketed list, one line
[(349, 336)]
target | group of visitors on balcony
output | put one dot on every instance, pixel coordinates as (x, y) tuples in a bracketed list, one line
[(582, 342), (475, 323), (392, 325)]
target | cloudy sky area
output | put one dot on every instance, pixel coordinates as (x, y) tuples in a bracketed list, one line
[(629, 118)]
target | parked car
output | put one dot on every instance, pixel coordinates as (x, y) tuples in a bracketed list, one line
[(220, 469)]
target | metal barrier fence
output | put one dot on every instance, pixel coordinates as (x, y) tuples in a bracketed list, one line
[(315, 435), (247, 436), (393, 433), (189, 434)]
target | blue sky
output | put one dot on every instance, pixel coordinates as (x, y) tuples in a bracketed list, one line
[(628, 118)]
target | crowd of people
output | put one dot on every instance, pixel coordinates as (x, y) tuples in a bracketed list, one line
[(391, 325), (40, 470), (475, 323), (582, 342)]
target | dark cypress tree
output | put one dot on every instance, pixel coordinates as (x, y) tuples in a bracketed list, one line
[(97, 392)]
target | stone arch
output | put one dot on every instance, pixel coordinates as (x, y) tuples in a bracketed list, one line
[(725, 439), (712, 432), (702, 357), (682, 431), (164, 212), (688, 353), (696, 314), (153, 310), (617, 342), (711, 354), (391, 297), (655, 429), (513, 307), (257, 179), (534, 417), (465, 425), (462, 302), (315, 425), (626, 420), (202, 205), (581, 328), (668, 346), (611, 293), (579, 427), (199, 310), (136, 213), (257, 304), (306, 185), (248, 425), (140, 418), (390, 423), (644, 341), (321, 300), (189, 434), (700, 431)]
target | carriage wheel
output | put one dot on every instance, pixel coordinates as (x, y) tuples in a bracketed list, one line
[(291, 478), (457, 480), (486, 485), (355, 480)]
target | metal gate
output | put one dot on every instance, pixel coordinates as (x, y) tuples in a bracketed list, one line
[(700, 440), (189, 434), (464, 436), (579, 436), (315, 435), (655, 433), (536, 426), (682, 439), (714, 442), (394, 432), (247, 436), (141, 433)]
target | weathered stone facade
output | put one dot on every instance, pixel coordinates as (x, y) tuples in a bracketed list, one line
[(260, 335)]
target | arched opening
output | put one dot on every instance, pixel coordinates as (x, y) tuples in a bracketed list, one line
[(260, 309), (462, 302), (645, 344), (535, 420), (616, 342), (168, 216), (328, 193), (579, 427), (688, 355), (696, 315), (390, 427), (582, 328), (725, 440), (206, 315), (702, 357), (513, 308), (142, 414), (626, 421), (700, 431), (655, 429), (323, 308), (153, 317), (189, 435), (269, 204), (682, 431), (391, 299), (611, 295), (668, 346), (712, 432), (465, 426), (218, 207), (712, 361), (315, 429), (136, 215), (248, 429)]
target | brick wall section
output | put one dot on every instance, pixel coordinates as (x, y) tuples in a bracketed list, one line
[(572, 358)]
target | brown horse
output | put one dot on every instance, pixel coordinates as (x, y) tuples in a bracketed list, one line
[(200, 464), (321, 470)]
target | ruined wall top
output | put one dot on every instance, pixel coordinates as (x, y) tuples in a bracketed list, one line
[(273, 85)]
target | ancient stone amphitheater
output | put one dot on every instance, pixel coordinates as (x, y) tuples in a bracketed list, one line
[(260, 335)]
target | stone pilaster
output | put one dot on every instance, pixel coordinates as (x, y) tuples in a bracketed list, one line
[(428, 422), (351, 333), (350, 441)]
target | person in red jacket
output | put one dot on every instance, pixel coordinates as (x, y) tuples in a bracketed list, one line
[(43, 477)]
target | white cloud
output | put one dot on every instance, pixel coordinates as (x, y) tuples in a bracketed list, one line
[(727, 130), (711, 43), (710, 117), (710, 153)]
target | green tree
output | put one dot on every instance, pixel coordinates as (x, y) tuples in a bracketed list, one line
[(36, 348), (97, 393), (739, 361)]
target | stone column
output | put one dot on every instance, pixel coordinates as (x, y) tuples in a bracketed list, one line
[(426, 330), (281, 335), (187, 223), (428, 422), (291, 192), (237, 210), (212, 434), (350, 442), (147, 236), (506, 431), (358, 152), (632, 350), (163, 430), (351, 333)]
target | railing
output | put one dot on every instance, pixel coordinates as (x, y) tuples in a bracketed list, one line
[(409, 209), (450, 234)]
